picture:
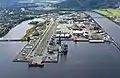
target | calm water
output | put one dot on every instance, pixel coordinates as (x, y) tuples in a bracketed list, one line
[(111, 28), (20, 30), (82, 61)]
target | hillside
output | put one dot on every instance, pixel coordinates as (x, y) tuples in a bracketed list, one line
[(89, 4), (76, 4)]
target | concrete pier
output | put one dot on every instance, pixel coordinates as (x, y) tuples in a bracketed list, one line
[(29, 48)]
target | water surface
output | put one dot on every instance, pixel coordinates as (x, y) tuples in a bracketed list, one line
[(83, 60)]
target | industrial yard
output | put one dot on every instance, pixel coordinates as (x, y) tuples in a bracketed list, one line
[(68, 26), (80, 27)]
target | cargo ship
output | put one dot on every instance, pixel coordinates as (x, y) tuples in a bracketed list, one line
[(31, 64)]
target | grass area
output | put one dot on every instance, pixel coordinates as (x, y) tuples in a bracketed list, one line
[(112, 14), (102, 12), (109, 12), (39, 26), (28, 33)]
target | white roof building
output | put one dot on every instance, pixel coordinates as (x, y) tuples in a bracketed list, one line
[(58, 28), (85, 34), (57, 35), (78, 32), (62, 35), (67, 35)]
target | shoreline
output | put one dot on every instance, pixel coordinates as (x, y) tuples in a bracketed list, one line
[(111, 40), (9, 29), (107, 17)]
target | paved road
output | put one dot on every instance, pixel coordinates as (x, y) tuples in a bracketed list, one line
[(43, 44), (33, 50)]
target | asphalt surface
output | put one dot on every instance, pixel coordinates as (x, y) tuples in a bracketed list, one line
[(43, 44)]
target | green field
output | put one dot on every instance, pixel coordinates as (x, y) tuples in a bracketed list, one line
[(39, 27), (109, 12)]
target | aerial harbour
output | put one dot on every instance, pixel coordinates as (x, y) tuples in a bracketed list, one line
[(56, 60), (60, 39), (46, 47)]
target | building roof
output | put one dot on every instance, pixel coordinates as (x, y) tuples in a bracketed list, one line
[(78, 32)]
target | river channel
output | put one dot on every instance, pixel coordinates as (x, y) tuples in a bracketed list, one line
[(83, 60)]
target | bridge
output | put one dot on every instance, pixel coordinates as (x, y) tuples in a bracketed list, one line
[(11, 40), (15, 40)]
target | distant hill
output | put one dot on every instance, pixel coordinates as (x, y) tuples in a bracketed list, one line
[(7, 2), (76, 4), (89, 4)]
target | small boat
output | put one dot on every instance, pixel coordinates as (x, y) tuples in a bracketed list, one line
[(30, 64), (40, 65)]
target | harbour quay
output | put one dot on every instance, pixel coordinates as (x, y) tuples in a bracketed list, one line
[(80, 27), (73, 26), (32, 44)]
